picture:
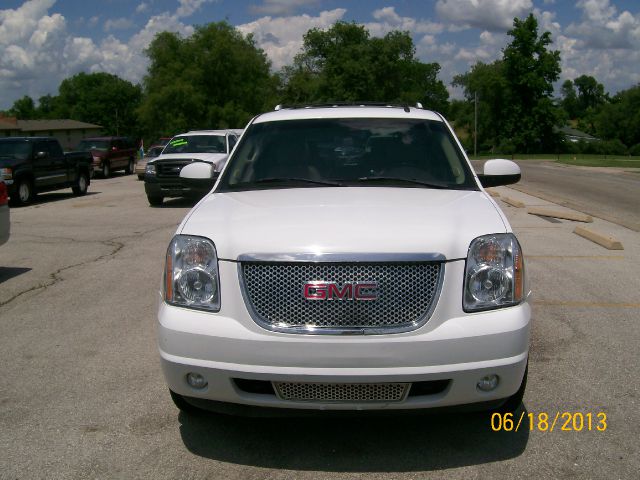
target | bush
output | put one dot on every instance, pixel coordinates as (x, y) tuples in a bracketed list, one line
[(635, 150)]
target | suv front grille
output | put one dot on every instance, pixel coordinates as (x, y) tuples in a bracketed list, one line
[(341, 392), (170, 168), (406, 295)]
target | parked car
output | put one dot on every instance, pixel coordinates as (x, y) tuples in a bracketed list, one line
[(110, 154), (5, 222), (162, 174), (141, 165), (348, 258), (30, 165)]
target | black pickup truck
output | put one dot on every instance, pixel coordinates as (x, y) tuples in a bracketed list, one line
[(30, 165)]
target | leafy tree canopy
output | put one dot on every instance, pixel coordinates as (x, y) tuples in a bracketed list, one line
[(620, 119), (24, 108), (344, 63), (530, 69), (100, 98), (217, 78)]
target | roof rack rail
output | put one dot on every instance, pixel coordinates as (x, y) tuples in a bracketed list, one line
[(404, 106)]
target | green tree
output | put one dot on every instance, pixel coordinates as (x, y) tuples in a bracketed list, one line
[(488, 82), (620, 119), (47, 107), (100, 98), (590, 92), (569, 100), (530, 68), (344, 63), (217, 78), (23, 109)]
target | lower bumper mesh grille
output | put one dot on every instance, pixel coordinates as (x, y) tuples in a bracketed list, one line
[(341, 392)]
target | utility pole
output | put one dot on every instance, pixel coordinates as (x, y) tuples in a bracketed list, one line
[(475, 125)]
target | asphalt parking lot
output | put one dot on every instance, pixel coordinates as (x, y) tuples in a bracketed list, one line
[(82, 394)]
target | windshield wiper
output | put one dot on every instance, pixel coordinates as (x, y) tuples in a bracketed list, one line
[(411, 181), (286, 180)]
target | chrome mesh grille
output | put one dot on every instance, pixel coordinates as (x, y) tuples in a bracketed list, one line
[(341, 392), (406, 294)]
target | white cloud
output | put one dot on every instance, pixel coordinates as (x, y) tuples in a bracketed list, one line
[(189, 7), (142, 7), (118, 24), (280, 7), (603, 28), (281, 37), (389, 20), (494, 15), (37, 51)]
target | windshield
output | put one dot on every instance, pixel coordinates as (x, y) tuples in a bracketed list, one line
[(15, 149), (100, 145), (196, 144), (348, 152)]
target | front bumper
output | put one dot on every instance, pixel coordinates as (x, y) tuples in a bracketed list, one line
[(452, 346), (170, 187)]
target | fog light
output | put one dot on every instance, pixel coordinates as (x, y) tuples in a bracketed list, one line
[(488, 383), (196, 380)]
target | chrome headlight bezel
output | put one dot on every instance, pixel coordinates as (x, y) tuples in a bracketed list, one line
[(191, 274), (494, 274)]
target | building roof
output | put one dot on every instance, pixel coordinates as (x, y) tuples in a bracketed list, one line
[(64, 124), (572, 132)]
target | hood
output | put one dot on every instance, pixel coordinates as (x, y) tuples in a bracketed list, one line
[(218, 159), (344, 220)]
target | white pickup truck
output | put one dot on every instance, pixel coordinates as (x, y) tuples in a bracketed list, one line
[(347, 258)]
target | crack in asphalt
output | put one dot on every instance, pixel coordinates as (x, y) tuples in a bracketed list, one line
[(55, 278)]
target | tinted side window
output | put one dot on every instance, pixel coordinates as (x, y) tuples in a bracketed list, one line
[(54, 149), (40, 147)]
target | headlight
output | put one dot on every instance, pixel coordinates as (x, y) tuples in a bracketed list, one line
[(494, 275), (150, 169), (191, 273)]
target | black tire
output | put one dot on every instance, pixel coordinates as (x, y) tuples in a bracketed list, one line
[(106, 169), (140, 177), (81, 186), (24, 192), (513, 402), (155, 201), (130, 167), (183, 405)]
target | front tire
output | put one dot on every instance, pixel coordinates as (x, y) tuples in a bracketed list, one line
[(81, 186), (155, 201), (130, 167), (106, 169), (24, 193)]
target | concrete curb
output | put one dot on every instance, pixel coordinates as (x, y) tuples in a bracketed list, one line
[(606, 241), (513, 202), (568, 215)]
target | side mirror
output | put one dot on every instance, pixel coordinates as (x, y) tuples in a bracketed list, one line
[(499, 172), (199, 176)]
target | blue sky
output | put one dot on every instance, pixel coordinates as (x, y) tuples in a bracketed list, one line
[(44, 41)]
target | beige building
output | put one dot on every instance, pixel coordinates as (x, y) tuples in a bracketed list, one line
[(68, 132)]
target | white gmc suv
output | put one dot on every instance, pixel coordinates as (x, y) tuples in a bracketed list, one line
[(347, 258)]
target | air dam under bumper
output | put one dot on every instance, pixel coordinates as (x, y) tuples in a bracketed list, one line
[(461, 349)]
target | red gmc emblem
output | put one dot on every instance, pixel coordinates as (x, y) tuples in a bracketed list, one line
[(320, 290)]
